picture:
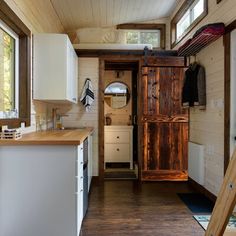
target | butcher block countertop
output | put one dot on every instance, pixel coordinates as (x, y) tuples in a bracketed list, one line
[(51, 137)]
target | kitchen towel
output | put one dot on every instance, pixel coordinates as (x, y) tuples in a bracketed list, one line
[(87, 96)]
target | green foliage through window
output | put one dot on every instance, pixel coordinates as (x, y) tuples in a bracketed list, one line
[(7, 72), (143, 36)]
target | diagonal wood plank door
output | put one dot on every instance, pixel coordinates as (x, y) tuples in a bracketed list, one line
[(164, 124)]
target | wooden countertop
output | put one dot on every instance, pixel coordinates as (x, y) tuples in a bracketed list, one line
[(51, 137)]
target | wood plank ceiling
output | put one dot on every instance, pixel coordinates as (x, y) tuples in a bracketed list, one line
[(76, 14)]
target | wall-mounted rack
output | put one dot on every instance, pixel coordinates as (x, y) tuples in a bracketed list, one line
[(203, 37)]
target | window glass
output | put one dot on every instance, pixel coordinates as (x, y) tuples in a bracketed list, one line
[(194, 11), (183, 24), (132, 37), (198, 9), (8, 75), (144, 36)]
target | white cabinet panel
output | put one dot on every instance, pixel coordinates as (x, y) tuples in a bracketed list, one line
[(79, 187), (38, 190), (55, 68), (90, 160)]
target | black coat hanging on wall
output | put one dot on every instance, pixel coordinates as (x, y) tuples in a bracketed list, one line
[(194, 89)]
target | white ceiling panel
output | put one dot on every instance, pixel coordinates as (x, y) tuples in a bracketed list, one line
[(76, 14)]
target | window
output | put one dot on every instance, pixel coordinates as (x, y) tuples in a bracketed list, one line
[(15, 69), (144, 37), (9, 51), (189, 15), (145, 33)]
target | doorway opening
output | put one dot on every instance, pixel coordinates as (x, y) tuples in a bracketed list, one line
[(119, 106)]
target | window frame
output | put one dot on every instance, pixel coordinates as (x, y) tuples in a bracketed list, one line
[(188, 4), (12, 34), (8, 17), (160, 27)]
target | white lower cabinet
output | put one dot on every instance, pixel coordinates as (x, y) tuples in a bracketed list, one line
[(41, 190), (118, 145), (90, 160), (79, 190)]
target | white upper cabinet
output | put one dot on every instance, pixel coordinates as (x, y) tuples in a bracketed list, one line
[(55, 72)]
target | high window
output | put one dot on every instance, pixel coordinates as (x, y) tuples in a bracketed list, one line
[(144, 37), (189, 15), (145, 34)]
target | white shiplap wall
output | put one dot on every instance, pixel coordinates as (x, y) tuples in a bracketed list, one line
[(207, 127), (76, 114)]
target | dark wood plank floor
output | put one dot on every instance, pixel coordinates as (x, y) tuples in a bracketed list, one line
[(128, 208)]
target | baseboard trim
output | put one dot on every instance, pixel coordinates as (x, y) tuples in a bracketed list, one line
[(199, 188), (164, 175)]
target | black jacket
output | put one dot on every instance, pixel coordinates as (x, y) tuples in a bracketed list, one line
[(194, 89)]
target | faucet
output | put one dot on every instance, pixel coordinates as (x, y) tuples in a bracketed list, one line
[(54, 118)]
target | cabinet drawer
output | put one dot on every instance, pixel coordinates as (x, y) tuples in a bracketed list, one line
[(117, 137), (117, 153)]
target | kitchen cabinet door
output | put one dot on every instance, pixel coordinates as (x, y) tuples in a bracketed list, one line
[(55, 68), (72, 81), (38, 190)]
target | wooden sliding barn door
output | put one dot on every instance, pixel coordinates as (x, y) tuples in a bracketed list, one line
[(164, 123)]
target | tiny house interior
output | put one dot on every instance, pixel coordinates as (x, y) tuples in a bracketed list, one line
[(97, 96)]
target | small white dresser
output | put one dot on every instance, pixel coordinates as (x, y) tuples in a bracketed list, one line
[(118, 144)]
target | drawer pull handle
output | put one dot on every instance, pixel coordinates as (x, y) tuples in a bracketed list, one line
[(117, 149), (117, 137)]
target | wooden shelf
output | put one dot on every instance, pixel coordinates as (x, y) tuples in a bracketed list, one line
[(201, 40)]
